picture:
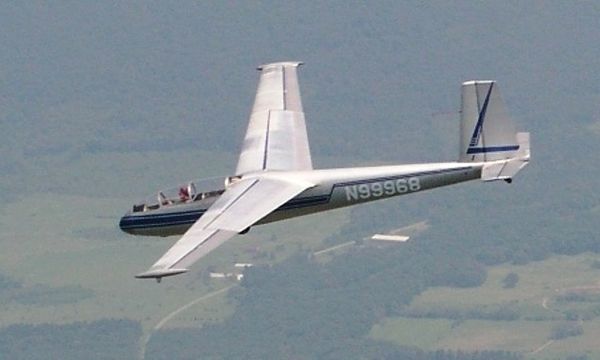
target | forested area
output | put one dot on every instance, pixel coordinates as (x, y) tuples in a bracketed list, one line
[(303, 309), (12, 291), (7, 284), (103, 339), (306, 309)]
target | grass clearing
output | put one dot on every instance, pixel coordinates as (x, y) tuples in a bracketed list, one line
[(73, 240), (537, 280), (422, 333), (521, 336), (535, 297)]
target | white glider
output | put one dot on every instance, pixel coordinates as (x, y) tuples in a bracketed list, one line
[(274, 179)]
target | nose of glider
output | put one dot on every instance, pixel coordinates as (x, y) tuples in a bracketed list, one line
[(125, 224)]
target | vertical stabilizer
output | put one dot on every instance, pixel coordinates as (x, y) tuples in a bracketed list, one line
[(487, 133)]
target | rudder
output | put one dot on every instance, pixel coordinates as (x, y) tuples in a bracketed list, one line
[(487, 132)]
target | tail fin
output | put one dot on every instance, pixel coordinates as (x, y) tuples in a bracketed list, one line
[(487, 133)]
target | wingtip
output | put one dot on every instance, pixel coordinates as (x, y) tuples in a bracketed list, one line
[(280, 63), (160, 273), (475, 82)]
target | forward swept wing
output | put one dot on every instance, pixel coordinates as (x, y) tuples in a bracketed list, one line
[(276, 137), (243, 204)]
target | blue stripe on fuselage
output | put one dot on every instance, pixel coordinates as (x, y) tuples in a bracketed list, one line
[(158, 220), (191, 216)]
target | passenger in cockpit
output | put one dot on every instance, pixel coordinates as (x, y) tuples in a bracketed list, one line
[(184, 194)]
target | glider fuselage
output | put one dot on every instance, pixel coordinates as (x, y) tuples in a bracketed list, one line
[(334, 188)]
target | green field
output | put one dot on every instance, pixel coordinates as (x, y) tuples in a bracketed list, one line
[(63, 245), (76, 241), (540, 300), (74, 264)]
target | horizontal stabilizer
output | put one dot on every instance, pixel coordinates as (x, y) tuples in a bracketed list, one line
[(507, 169)]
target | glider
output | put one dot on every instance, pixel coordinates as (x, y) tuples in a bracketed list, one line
[(275, 179)]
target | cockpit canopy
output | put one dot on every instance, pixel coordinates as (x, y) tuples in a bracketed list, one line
[(189, 192)]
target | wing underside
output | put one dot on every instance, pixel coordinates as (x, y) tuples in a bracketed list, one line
[(276, 137), (240, 206)]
